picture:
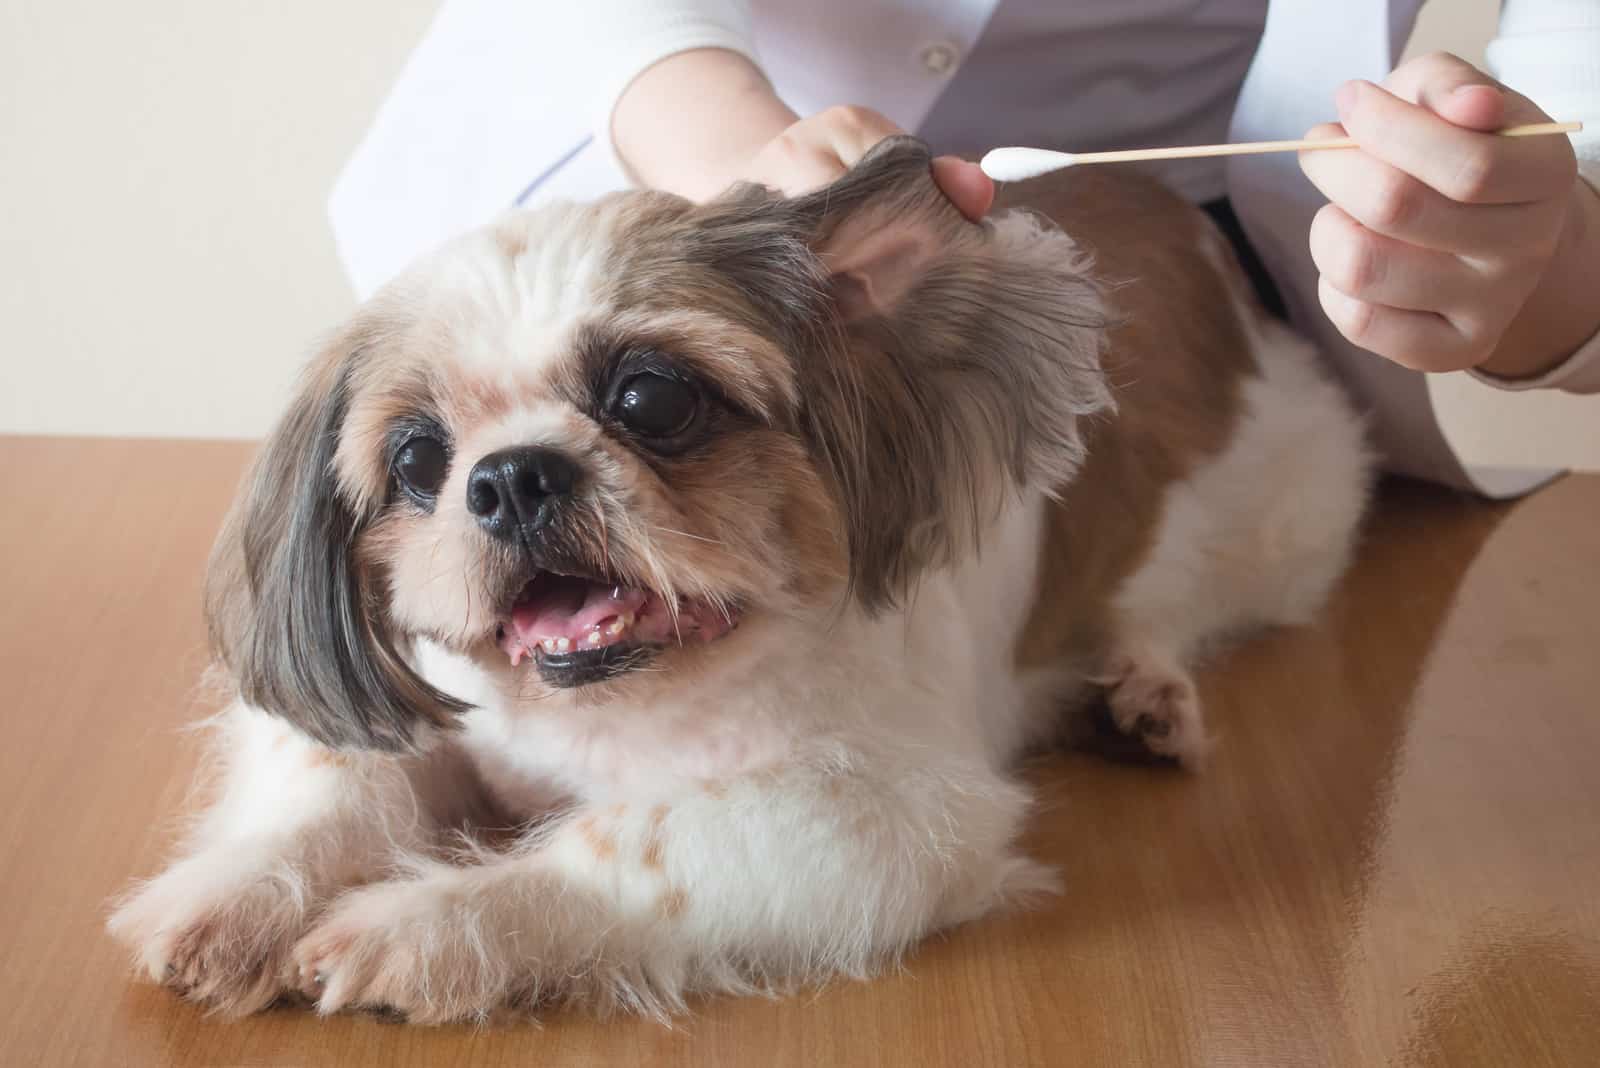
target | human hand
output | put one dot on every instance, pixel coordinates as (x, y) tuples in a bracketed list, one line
[(1439, 235), (699, 120), (815, 150)]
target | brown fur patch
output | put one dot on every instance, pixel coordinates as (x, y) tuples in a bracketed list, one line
[(653, 854), (400, 390), (673, 902), (602, 841), (1175, 363), (747, 368)]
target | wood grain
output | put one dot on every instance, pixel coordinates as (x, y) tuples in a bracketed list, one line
[(1394, 859)]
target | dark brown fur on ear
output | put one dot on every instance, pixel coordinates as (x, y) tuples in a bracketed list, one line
[(294, 614), (943, 363)]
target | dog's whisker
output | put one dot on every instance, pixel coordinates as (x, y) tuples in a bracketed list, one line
[(686, 534)]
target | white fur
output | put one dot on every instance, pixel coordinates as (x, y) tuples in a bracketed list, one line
[(1259, 533), (1254, 537)]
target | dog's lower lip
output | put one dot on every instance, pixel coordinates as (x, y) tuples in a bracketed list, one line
[(573, 669)]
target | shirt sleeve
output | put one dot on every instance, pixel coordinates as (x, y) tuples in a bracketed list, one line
[(621, 39), (1549, 51)]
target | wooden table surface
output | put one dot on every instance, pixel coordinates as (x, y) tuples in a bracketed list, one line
[(1395, 857)]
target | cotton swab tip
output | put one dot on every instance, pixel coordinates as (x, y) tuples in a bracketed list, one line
[(1017, 164)]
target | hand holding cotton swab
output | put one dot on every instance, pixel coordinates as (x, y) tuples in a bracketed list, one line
[(1017, 164)]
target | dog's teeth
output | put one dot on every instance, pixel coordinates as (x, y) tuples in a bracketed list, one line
[(563, 644), (594, 637), (549, 645)]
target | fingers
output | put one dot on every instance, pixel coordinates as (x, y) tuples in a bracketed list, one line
[(1422, 341), (1370, 266), (969, 189), (817, 150), (1387, 200), (1464, 165), (1438, 227), (1475, 107), (1450, 86), (852, 131)]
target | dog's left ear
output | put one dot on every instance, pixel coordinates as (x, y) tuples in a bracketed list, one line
[(970, 352), (295, 614)]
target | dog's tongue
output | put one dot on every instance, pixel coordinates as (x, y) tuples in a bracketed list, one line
[(557, 614), (573, 609)]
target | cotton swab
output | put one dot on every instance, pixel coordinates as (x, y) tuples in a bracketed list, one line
[(1016, 164)]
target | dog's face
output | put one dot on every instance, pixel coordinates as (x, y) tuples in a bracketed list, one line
[(599, 437)]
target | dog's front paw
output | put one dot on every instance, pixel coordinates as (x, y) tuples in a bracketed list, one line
[(427, 948), (1155, 702), (214, 932)]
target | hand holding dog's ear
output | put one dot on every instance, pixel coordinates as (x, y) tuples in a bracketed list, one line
[(820, 148)]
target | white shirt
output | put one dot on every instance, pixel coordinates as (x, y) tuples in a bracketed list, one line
[(508, 102)]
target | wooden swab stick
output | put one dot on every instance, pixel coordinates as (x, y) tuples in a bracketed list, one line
[(1015, 164)]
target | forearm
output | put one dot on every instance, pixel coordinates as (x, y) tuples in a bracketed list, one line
[(690, 122), (1564, 310)]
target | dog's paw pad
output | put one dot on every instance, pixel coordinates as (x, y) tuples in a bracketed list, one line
[(1157, 704)]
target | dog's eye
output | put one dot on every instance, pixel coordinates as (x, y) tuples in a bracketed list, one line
[(655, 406), (420, 465)]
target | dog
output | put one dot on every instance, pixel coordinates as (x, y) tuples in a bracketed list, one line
[(642, 599)]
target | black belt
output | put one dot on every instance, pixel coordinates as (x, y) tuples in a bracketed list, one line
[(1221, 212)]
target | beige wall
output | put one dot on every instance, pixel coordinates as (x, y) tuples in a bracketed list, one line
[(168, 262), (165, 167)]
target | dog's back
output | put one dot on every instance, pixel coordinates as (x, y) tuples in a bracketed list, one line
[(1224, 491)]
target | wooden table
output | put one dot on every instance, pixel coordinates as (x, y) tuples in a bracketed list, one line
[(1395, 857)]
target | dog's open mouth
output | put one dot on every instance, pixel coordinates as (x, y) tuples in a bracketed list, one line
[(579, 630)]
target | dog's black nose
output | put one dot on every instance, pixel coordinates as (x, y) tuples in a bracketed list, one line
[(518, 488)]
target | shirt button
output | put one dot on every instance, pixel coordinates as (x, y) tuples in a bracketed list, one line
[(940, 57)]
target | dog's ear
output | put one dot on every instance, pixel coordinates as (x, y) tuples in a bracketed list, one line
[(970, 352), (294, 613)]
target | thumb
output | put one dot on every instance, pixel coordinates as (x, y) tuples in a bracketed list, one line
[(1452, 89), (1476, 106)]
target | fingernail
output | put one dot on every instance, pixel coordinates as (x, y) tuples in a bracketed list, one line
[(1474, 87)]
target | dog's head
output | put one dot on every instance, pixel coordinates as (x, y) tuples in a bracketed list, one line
[(592, 438)]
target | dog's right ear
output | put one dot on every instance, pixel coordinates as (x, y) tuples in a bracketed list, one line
[(295, 613)]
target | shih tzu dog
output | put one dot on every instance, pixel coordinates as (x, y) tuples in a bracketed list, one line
[(643, 599)]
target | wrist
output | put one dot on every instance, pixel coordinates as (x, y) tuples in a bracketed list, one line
[(690, 123), (1561, 313)]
